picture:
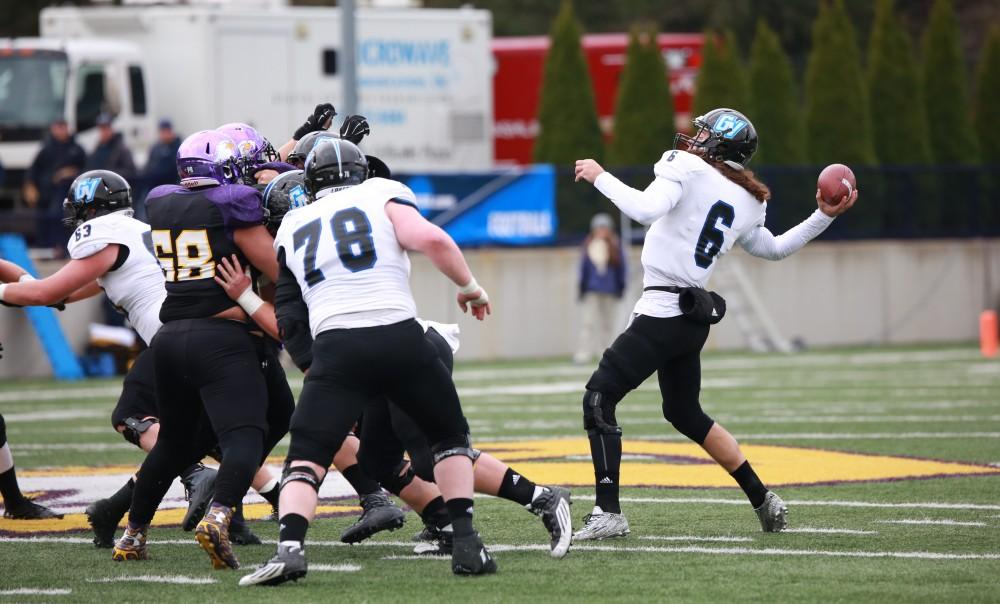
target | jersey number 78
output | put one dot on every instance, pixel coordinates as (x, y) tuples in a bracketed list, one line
[(352, 233)]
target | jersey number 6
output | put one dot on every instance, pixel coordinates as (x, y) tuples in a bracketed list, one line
[(711, 238), (352, 232)]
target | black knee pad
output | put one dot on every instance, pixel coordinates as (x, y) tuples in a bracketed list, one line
[(599, 414), (400, 478), (300, 474), (135, 426), (692, 422), (456, 445)]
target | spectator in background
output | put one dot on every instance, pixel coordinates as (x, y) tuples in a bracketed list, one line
[(161, 167), (602, 283), (111, 152), (59, 161)]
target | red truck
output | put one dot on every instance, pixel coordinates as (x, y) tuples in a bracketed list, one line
[(517, 82)]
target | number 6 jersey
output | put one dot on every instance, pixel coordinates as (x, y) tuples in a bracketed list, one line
[(192, 230), (696, 216), (344, 255)]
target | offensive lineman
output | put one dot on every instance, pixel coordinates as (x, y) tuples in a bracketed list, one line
[(347, 255), (701, 203)]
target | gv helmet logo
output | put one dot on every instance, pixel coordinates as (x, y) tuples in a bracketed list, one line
[(86, 189), (297, 197), (729, 126)]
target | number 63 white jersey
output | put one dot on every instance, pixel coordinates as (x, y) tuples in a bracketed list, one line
[(343, 251)]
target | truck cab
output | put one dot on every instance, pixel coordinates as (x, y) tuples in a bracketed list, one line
[(42, 80)]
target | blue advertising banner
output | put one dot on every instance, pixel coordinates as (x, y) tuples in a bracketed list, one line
[(510, 207)]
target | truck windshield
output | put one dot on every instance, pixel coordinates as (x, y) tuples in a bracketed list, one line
[(32, 88)]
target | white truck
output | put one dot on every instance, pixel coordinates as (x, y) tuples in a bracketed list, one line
[(424, 76)]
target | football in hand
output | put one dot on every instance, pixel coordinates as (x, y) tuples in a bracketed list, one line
[(836, 182)]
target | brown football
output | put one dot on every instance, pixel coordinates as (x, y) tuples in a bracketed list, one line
[(835, 183)]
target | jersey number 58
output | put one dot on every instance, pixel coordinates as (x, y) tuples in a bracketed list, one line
[(185, 257)]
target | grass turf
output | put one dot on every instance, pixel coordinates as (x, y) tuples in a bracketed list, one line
[(941, 403)]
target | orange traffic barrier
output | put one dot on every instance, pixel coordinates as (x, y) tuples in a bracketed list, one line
[(989, 333)]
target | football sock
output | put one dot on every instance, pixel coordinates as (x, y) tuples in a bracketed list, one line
[(122, 499), (293, 528), (460, 510), (238, 514), (516, 488), (606, 453), (750, 483), (435, 513), (359, 480), (9, 490)]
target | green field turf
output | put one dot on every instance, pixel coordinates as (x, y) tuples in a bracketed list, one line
[(900, 539)]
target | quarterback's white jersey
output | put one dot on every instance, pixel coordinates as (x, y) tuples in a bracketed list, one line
[(343, 251), (137, 286), (696, 216)]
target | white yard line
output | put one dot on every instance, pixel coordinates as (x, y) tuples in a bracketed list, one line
[(27, 591), (171, 579), (61, 394), (115, 446), (933, 505), (334, 568), (932, 522), (733, 551), (827, 531), (56, 414), (693, 538)]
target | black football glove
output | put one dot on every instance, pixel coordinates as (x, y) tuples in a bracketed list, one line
[(320, 119), (354, 128)]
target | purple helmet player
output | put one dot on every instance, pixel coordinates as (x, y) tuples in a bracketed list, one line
[(207, 157), (254, 150)]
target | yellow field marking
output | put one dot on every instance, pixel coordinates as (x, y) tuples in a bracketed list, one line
[(687, 465), (73, 522)]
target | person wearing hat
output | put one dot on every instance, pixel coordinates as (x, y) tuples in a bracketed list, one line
[(111, 153), (57, 163), (161, 166), (602, 282)]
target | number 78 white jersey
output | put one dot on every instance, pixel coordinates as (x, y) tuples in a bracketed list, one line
[(343, 251)]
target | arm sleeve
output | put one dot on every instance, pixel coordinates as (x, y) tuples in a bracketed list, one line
[(760, 242), (292, 315), (642, 206)]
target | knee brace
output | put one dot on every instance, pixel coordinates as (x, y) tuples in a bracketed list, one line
[(457, 445), (3, 431), (692, 422), (300, 474), (400, 478), (599, 414), (135, 426)]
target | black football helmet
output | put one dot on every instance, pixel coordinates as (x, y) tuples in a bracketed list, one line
[(334, 163), (282, 195), (95, 193), (724, 135), (297, 157)]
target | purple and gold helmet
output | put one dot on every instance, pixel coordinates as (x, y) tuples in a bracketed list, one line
[(253, 149), (208, 157)]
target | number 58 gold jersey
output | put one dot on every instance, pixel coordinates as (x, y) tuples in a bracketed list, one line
[(192, 230)]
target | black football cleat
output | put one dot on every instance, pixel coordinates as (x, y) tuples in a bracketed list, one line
[(199, 488), (380, 514), (104, 521), (29, 510), (470, 557), (289, 564)]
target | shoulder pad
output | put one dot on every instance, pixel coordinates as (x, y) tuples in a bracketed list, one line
[(679, 165), (241, 206), (96, 234), (391, 189)]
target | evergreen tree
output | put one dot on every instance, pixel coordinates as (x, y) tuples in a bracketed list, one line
[(987, 110), (567, 112), (721, 79), (773, 102), (644, 109), (951, 136), (899, 119), (838, 125)]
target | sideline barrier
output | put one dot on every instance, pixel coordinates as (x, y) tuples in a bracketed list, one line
[(64, 363)]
